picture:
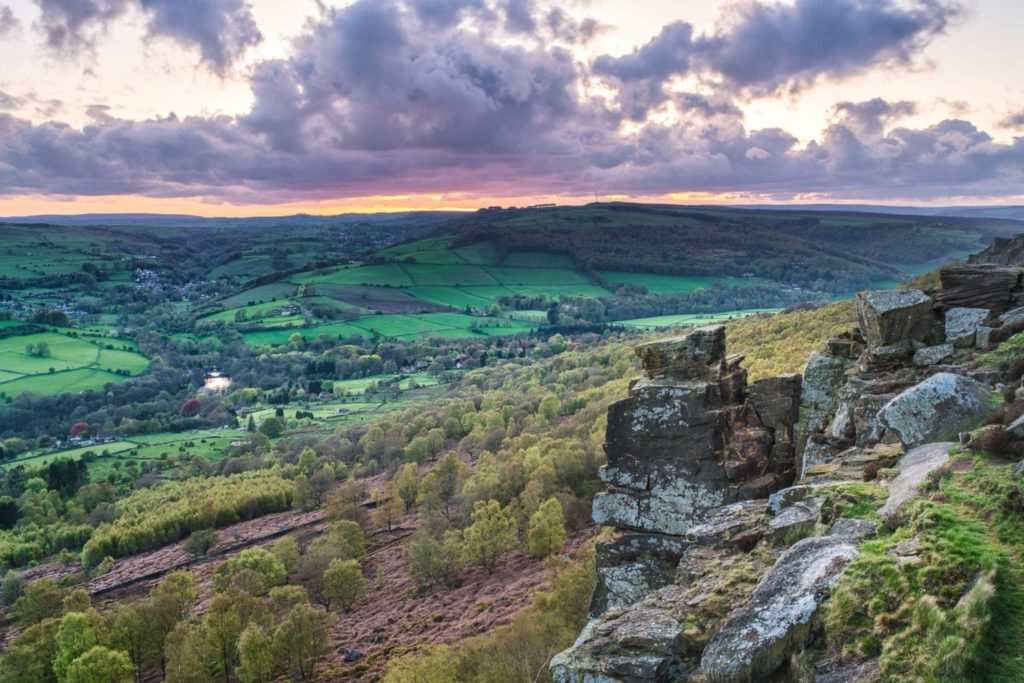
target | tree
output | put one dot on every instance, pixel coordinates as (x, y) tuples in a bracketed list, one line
[(343, 583), (41, 599), (258, 560), (492, 533), (222, 627), (188, 655), (450, 471), (251, 426), (200, 542), (100, 665), (29, 657), (75, 636), (346, 502), (389, 506), (435, 561), (301, 641), (286, 550), (546, 534), (407, 484), (255, 656), (169, 604), (190, 408), (272, 427)]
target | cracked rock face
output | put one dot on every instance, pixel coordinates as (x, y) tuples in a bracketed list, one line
[(691, 437), (758, 638), (937, 409), (914, 468)]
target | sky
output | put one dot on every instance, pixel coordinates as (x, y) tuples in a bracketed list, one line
[(264, 107)]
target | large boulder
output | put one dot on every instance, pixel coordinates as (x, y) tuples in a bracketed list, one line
[(962, 325), (631, 565), (937, 409), (759, 637), (914, 470), (895, 317)]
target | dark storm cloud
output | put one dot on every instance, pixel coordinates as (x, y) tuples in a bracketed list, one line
[(8, 22), (771, 46), (221, 30), (408, 96), (766, 47)]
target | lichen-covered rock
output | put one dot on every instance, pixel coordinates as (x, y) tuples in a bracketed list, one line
[(630, 646), (631, 565), (896, 316), (932, 355), (822, 378), (795, 522), (914, 469), (739, 525), (697, 355), (759, 637), (962, 325), (937, 409), (854, 528)]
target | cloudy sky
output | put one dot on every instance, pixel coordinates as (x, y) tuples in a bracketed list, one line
[(237, 107)]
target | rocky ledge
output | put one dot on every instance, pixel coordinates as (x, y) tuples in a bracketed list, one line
[(724, 546)]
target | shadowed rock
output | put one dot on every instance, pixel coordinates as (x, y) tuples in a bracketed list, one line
[(932, 355), (759, 637), (698, 355)]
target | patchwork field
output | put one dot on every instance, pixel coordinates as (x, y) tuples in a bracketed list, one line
[(68, 364)]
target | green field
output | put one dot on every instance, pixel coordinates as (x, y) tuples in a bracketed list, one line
[(690, 319), (402, 327), (671, 284), (74, 364)]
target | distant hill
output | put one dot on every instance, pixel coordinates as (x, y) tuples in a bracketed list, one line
[(1015, 213), (149, 220), (837, 251)]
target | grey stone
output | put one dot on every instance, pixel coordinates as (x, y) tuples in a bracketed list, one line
[(631, 565), (759, 637), (932, 355), (854, 528), (1018, 469), (914, 469), (1016, 428), (795, 522), (962, 325), (783, 498), (937, 409), (822, 378), (983, 338), (638, 644), (894, 316), (1013, 317), (697, 355)]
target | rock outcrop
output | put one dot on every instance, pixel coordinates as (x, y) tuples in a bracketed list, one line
[(718, 562), (691, 437)]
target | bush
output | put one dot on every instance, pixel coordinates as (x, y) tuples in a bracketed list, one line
[(200, 542)]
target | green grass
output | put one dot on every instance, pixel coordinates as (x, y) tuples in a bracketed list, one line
[(537, 277), (958, 613), (386, 274), (690, 319), (75, 364), (671, 284), (261, 294)]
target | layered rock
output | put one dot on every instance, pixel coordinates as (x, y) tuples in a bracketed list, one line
[(692, 437), (982, 285)]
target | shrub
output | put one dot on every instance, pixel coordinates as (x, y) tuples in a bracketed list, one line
[(200, 542)]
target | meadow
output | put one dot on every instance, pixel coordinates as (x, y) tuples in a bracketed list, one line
[(72, 363)]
